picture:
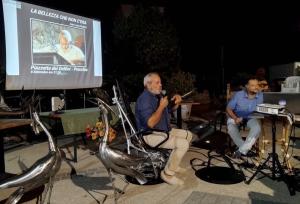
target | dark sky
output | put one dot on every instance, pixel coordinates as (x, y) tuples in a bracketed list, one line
[(250, 35)]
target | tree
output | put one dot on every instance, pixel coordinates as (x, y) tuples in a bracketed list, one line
[(145, 41), (180, 82)]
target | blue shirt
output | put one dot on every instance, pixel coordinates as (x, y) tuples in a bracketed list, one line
[(146, 104), (242, 106)]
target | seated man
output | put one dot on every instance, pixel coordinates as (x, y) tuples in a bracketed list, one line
[(152, 112), (238, 110)]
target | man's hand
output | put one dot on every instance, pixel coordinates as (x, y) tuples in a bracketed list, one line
[(163, 102), (238, 120), (156, 116), (177, 99)]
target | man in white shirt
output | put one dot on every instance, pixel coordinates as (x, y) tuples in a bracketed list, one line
[(68, 51)]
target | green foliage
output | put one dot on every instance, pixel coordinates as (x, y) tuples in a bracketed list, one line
[(133, 84), (180, 82), (149, 36)]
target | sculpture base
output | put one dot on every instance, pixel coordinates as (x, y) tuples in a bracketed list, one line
[(149, 182)]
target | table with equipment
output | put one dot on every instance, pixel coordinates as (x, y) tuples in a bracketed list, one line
[(277, 170)]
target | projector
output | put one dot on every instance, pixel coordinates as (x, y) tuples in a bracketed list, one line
[(57, 104), (273, 109)]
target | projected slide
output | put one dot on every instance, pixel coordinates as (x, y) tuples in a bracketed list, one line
[(56, 48), (50, 49)]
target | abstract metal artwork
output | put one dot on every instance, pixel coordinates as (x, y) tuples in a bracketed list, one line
[(41, 172), (116, 161)]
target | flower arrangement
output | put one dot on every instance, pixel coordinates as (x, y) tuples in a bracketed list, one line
[(93, 133)]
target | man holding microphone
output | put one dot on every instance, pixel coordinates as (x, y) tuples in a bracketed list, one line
[(152, 112)]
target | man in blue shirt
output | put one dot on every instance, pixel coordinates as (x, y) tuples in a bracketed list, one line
[(152, 112), (238, 110)]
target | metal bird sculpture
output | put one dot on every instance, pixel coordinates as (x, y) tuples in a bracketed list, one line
[(115, 160), (40, 173)]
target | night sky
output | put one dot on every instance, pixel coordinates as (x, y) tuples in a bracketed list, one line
[(250, 35)]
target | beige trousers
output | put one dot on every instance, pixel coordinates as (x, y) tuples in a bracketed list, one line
[(179, 141)]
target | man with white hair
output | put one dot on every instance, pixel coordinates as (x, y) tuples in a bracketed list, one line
[(152, 112), (67, 50)]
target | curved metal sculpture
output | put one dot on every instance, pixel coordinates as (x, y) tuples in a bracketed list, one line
[(40, 173), (156, 157), (117, 161)]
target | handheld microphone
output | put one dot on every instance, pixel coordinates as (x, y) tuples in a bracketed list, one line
[(163, 93)]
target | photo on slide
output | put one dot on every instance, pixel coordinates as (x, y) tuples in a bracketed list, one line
[(57, 44)]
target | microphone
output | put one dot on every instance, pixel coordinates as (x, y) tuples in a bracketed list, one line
[(163, 93)]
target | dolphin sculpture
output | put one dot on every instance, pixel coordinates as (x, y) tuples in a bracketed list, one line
[(116, 161), (40, 173)]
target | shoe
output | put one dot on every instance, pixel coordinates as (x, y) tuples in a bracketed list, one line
[(172, 180)]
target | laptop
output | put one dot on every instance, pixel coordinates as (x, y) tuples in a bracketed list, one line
[(292, 100)]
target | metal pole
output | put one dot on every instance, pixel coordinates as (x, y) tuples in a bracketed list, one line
[(84, 100), (65, 99)]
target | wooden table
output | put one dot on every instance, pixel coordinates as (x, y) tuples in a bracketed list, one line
[(11, 123), (6, 124), (12, 113)]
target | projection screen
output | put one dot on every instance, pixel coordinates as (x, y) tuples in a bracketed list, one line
[(50, 49)]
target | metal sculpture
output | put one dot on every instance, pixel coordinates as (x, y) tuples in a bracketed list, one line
[(156, 157), (40, 173), (116, 161)]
